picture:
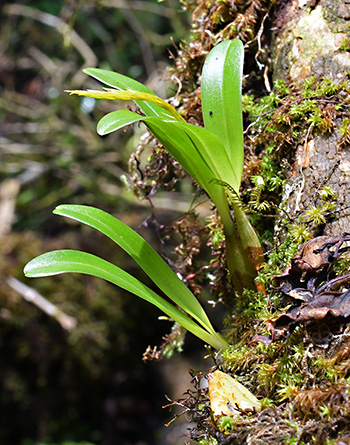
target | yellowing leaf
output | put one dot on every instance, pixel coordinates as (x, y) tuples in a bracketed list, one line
[(228, 397), (113, 94)]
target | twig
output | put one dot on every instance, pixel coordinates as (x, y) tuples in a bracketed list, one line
[(137, 28), (9, 190), (32, 296), (154, 8)]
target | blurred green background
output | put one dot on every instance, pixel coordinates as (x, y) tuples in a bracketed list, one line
[(78, 376)]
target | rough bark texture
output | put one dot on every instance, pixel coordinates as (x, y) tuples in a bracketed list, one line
[(308, 35)]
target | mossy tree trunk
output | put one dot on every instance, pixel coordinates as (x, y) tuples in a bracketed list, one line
[(311, 39), (304, 371)]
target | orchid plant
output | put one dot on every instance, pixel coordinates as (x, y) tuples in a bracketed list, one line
[(213, 156)]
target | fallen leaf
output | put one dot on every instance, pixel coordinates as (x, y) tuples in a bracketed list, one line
[(306, 288), (313, 261), (228, 397)]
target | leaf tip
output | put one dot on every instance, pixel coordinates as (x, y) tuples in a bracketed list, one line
[(101, 131), (28, 270), (62, 209), (71, 92), (56, 210)]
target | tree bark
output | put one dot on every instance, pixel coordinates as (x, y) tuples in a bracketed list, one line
[(307, 42)]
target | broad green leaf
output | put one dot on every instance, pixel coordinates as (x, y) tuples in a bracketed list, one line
[(72, 261), (117, 119), (144, 255), (116, 80), (222, 100)]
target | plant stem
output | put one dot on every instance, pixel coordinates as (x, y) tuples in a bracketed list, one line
[(244, 254), (250, 241), (242, 273)]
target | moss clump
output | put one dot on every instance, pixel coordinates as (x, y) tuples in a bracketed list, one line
[(345, 45)]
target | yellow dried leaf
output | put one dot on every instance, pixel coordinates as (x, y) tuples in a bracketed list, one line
[(113, 94), (228, 397)]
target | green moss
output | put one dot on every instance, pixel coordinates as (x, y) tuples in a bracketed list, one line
[(287, 117), (226, 424), (345, 45), (344, 127), (281, 88), (209, 441), (277, 261), (292, 441)]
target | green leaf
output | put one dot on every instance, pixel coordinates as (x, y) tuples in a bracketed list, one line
[(116, 80), (205, 144), (192, 147), (222, 100), (177, 142), (70, 261), (194, 160), (117, 119), (144, 255), (212, 151)]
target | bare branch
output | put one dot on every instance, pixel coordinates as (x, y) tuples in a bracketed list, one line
[(9, 190), (32, 296)]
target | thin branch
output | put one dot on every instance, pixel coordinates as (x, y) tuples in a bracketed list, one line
[(154, 8), (9, 191), (140, 34), (32, 296)]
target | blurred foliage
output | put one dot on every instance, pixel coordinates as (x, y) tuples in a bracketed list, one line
[(58, 383), (89, 383), (48, 140)]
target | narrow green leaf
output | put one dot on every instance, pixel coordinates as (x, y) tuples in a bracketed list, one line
[(177, 142), (210, 147), (222, 100), (191, 147), (192, 157), (72, 261), (187, 143), (117, 119), (144, 255), (116, 80), (206, 145)]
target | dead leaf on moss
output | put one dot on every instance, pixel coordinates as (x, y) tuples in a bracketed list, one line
[(307, 288), (228, 397)]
